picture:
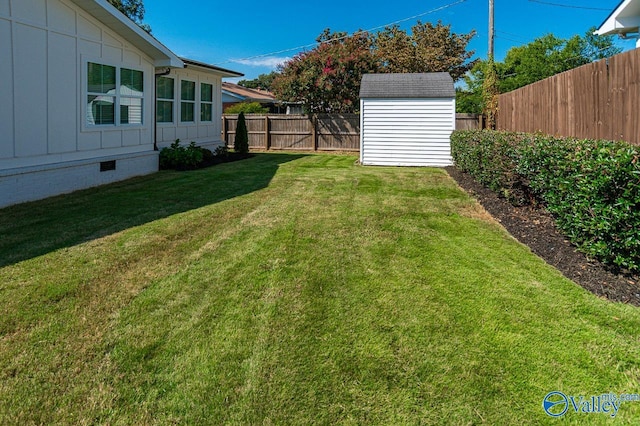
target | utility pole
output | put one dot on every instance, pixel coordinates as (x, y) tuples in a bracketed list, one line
[(491, 31)]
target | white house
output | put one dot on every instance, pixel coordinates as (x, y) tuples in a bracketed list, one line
[(623, 20), (407, 119), (78, 89)]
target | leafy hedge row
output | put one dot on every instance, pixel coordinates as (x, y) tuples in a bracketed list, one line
[(592, 187)]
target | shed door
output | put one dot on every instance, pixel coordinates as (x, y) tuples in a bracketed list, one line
[(407, 132)]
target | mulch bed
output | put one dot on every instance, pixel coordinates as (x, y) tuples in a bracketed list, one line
[(534, 227)]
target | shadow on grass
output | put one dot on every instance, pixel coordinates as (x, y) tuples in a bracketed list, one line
[(33, 229)]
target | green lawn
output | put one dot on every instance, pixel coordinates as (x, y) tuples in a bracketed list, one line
[(293, 289)]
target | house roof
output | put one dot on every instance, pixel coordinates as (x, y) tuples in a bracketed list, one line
[(246, 94), (125, 27), (190, 63), (625, 18), (416, 85)]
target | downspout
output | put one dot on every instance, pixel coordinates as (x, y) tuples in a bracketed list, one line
[(167, 71)]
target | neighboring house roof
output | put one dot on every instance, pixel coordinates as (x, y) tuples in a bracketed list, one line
[(129, 30), (625, 18), (190, 63), (244, 94), (417, 85)]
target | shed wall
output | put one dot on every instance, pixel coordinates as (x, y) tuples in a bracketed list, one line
[(407, 132)]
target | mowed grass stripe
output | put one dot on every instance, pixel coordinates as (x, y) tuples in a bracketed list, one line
[(325, 292)]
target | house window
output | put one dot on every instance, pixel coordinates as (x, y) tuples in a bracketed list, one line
[(101, 91), (206, 102), (165, 95), (188, 101), (131, 95), (114, 95)]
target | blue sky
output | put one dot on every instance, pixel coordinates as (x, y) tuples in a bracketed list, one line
[(253, 36)]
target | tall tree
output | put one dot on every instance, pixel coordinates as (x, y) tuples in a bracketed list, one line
[(327, 78), (549, 55), (134, 10), (263, 82), (428, 48), (542, 58)]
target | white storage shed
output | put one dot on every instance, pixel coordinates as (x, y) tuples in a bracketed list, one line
[(407, 119)]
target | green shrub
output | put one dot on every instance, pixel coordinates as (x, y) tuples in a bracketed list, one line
[(207, 155), (180, 157), (241, 142), (222, 151), (591, 187), (247, 108), (491, 157)]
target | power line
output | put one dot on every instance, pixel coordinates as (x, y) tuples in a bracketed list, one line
[(571, 6), (438, 9)]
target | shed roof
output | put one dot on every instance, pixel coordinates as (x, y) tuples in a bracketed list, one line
[(415, 85)]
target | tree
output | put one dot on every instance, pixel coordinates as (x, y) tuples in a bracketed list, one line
[(542, 58), (263, 82), (549, 55), (247, 108), (429, 48), (134, 10), (327, 78), (241, 141)]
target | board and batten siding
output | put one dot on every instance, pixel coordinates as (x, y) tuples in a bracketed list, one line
[(46, 146), (406, 132), (203, 133)]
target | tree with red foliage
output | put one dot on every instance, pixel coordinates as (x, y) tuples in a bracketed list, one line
[(327, 78)]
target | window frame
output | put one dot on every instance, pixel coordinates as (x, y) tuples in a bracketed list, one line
[(205, 102), (118, 96), (172, 100), (189, 101)]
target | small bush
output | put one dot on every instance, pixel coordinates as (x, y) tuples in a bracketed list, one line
[(221, 151), (207, 156), (241, 142), (591, 187), (180, 157)]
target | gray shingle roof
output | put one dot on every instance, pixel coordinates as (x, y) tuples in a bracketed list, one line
[(423, 85)]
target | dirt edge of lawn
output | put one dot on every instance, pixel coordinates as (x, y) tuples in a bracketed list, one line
[(535, 228)]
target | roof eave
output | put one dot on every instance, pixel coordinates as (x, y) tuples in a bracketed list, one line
[(624, 19), (129, 30), (223, 72)]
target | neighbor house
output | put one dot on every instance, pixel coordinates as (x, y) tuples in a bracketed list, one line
[(78, 89), (624, 20), (233, 94)]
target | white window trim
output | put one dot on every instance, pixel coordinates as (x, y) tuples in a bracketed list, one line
[(175, 101), (206, 102), (85, 94), (195, 101)]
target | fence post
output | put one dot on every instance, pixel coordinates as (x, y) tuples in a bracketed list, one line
[(225, 129), (267, 133), (314, 127)]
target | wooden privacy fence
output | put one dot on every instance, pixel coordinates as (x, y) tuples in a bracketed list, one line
[(321, 132), (596, 101)]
